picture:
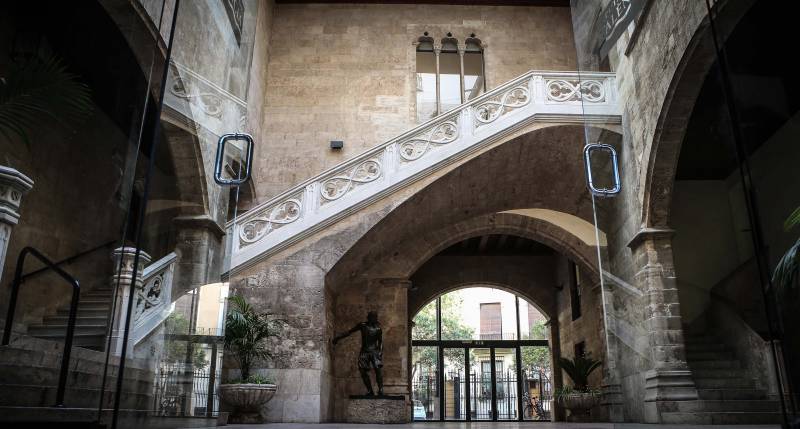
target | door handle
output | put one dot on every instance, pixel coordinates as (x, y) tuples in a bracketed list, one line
[(220, 161), (587, 161)]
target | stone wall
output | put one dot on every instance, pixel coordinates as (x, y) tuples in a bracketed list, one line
[(586, 328), (346, 72)]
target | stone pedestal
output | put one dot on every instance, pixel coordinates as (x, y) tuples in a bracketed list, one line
[(13, 186), (123, 277), (378, 409)]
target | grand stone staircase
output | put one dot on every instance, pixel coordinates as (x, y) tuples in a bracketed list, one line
[(30, 364), (91, 324), (727, 393), (536, 97), (29, 369)]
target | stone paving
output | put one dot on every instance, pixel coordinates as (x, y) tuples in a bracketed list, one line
[(492, 425)]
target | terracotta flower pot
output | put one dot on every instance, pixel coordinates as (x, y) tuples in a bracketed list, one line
[(579, 405), (246, 400)]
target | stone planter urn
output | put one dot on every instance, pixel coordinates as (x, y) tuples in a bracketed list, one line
[(579, 405), (247, 399)]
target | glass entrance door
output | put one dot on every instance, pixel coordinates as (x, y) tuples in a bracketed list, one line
[(480, 383), (170, 308), (695, 220)]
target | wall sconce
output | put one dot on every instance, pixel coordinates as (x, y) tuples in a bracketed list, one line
[(337, 144)]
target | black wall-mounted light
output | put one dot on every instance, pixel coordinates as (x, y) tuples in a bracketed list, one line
[(337, 144)]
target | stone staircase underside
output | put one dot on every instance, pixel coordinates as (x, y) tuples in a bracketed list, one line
[(546, 97)]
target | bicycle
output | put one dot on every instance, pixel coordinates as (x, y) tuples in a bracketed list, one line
[(533, 406)]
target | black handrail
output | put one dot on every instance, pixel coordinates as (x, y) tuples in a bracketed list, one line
[(73, 310), (69, 260)]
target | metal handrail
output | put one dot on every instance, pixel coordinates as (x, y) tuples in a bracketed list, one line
[(69, 260), (73, 310)]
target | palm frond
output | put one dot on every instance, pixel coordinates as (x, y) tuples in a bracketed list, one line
[(785, 275), (793, 220), (41, 91), (246, 332), (578, 369)]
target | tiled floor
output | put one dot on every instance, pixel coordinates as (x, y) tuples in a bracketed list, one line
[(491, 425)]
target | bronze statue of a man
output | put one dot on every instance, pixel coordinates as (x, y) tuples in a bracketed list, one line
[(371, 355)]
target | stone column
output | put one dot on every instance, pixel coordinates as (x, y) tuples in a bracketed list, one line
[(13, 186), (558, 378), (437, 50), (611, 390), (462, 48), (670, 378), (198, 243), (122, 279)]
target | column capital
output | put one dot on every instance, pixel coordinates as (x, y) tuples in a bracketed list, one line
[(13, 186), (199, 222), (648, 234), (125, 256)]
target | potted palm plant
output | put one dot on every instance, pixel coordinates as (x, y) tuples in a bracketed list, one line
[(246, 332), (579, 398)]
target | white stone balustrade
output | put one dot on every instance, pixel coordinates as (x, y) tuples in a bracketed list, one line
[(554, 97), (13, 186), (152, 298)]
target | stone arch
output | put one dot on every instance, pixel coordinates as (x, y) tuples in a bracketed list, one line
[(545, 170), (412, 311), (410, 254), (676, 111)]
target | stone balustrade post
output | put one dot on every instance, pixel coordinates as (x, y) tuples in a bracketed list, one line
[(670, 378), (121, 280), (13, 186)]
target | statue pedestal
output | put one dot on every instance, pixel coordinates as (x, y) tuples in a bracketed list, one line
[(378, 409)]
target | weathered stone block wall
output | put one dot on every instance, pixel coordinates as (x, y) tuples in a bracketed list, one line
[(347, 72), (647, 323), (389, 297), (588, 328), (72, 207)]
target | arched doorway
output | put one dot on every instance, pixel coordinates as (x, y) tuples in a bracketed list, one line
[(480, 353)]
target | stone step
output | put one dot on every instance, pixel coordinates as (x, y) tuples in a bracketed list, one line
[(722, 418), (105, 306), (61, 330), (728, 394), (692, 356), (699, 338), (80, 320), (91, 341), (737, 405), (93, 300), (705, 347), (52, 349), (81, 360), (98, 292), (23, 395), (724, 383), (134, 380), (736, 373), (84, 312), (86, 418), (713, 364)]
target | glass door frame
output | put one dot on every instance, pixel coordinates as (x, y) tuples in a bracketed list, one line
[(492, 345)]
